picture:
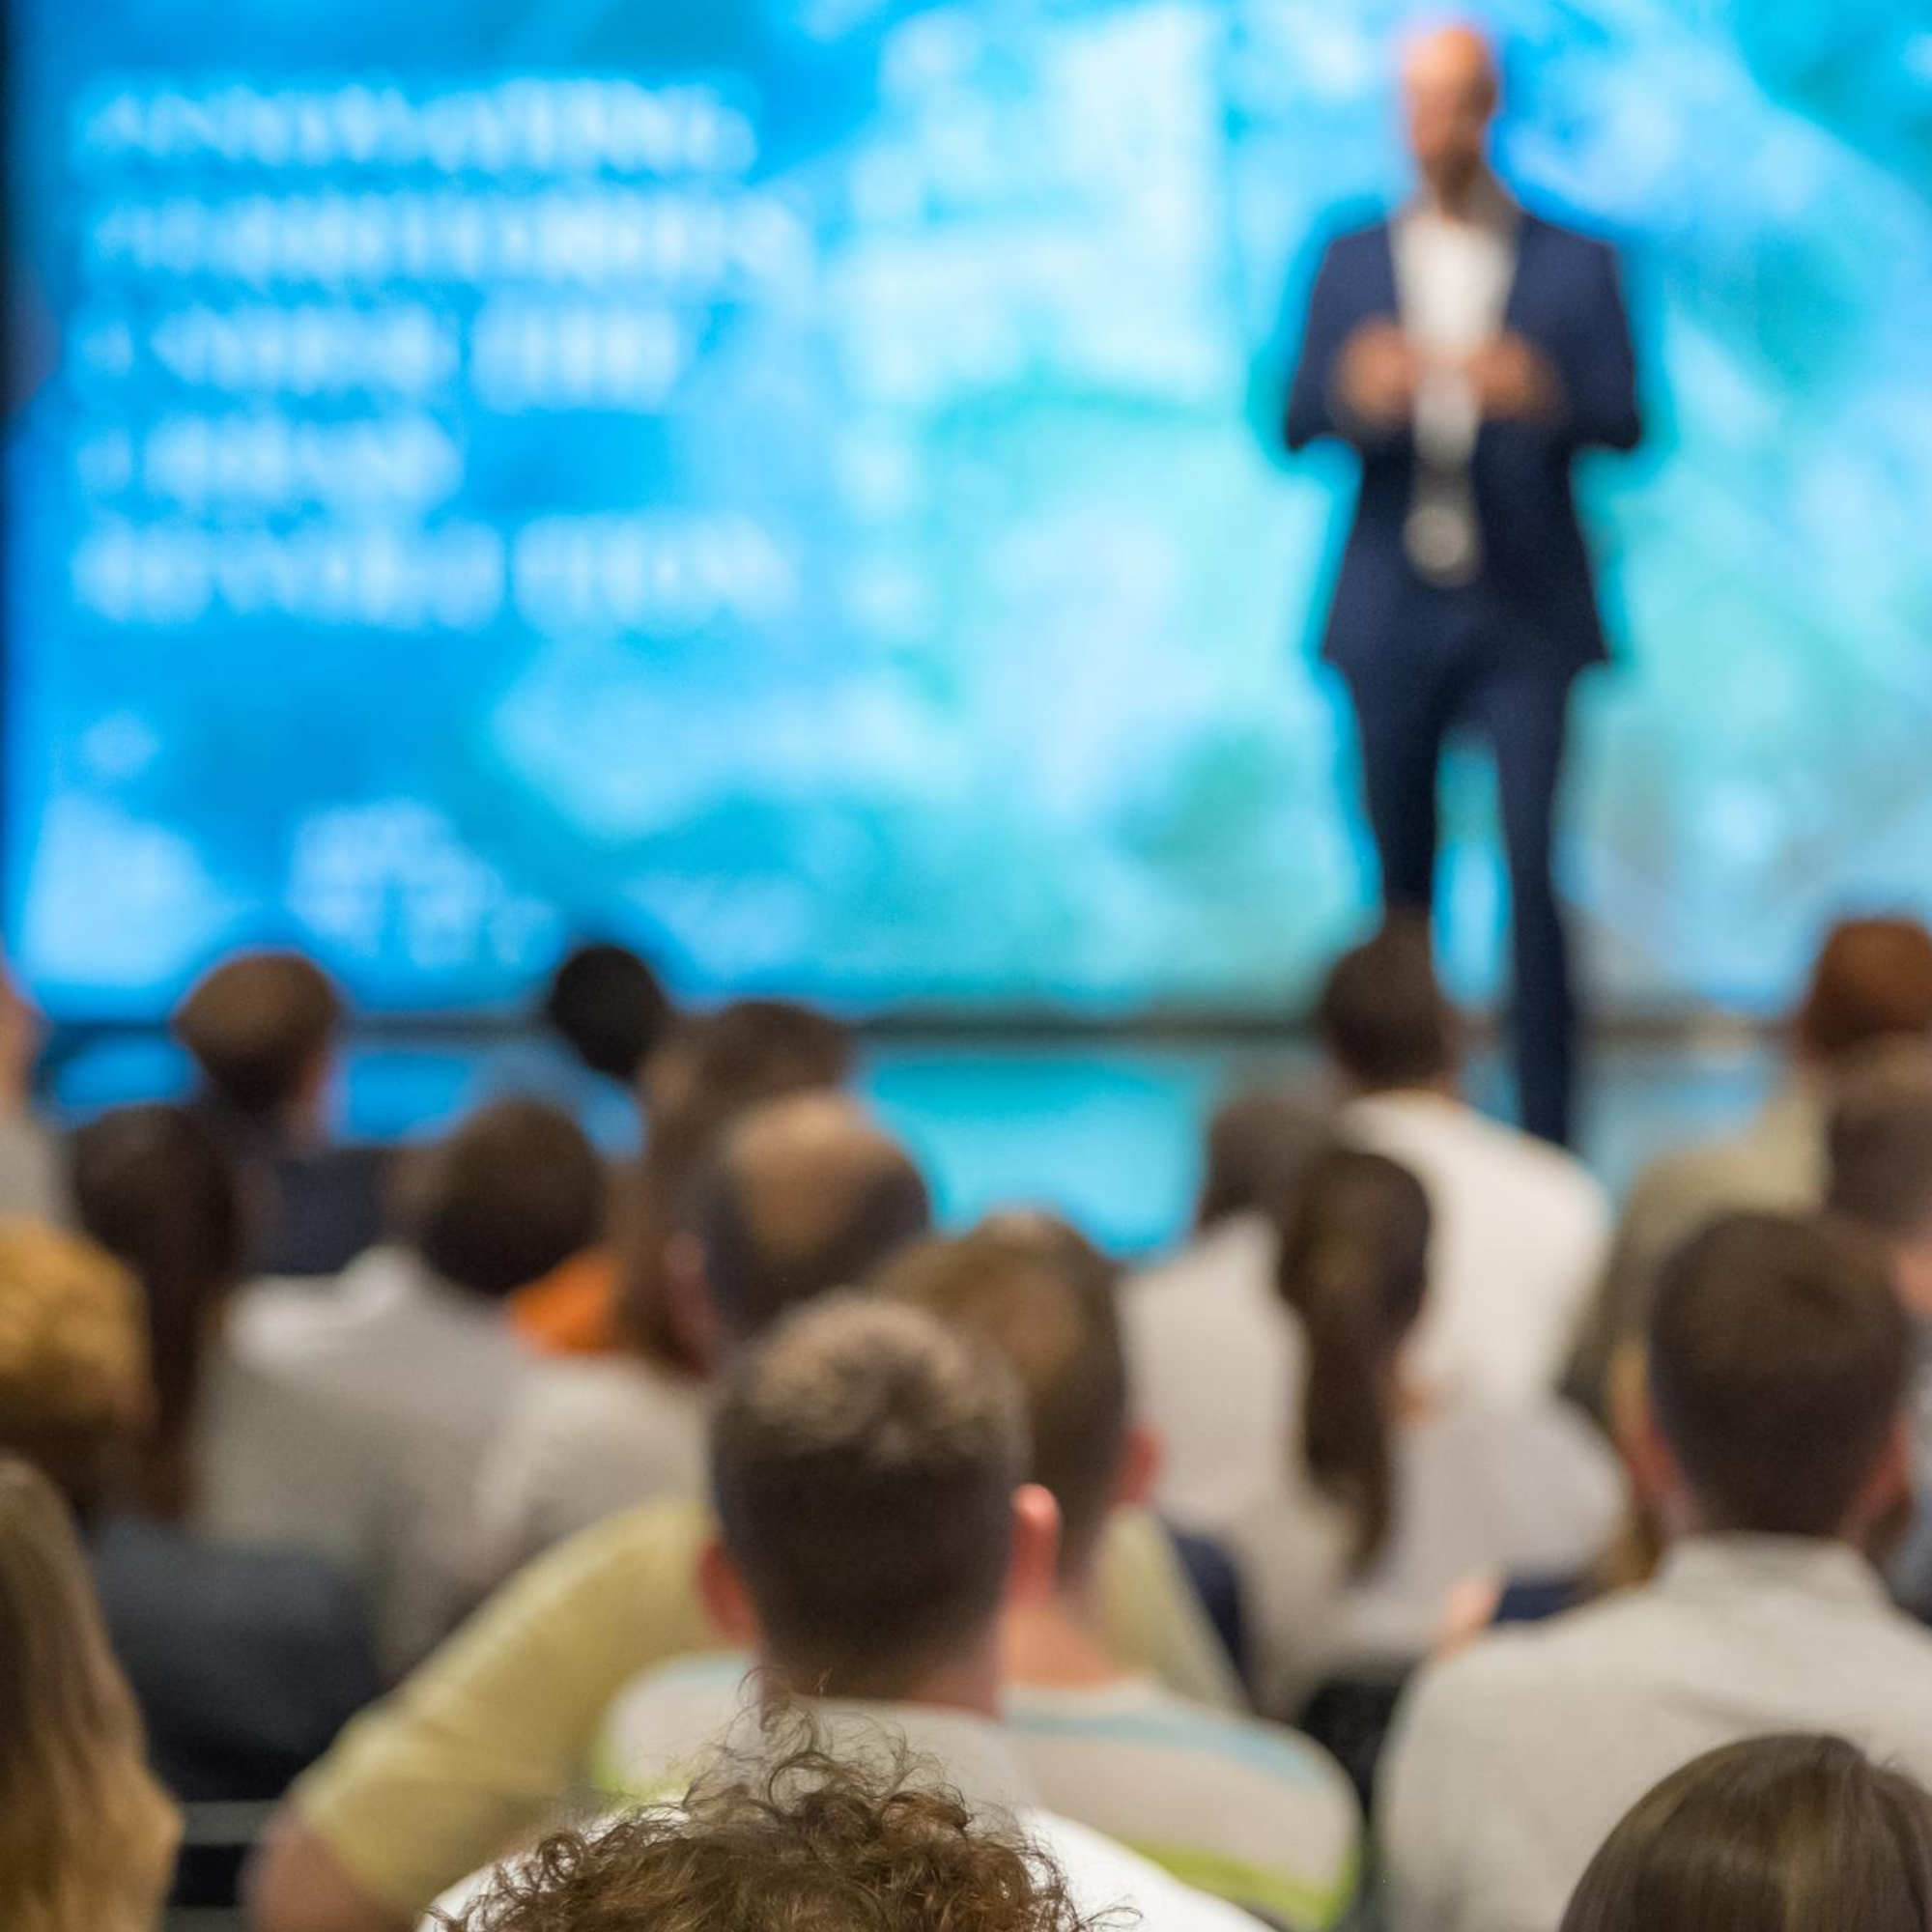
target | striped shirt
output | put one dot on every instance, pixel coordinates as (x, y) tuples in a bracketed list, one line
[(1248, 1811)]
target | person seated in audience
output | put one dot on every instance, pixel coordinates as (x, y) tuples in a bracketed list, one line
[(1521, 1226), (610, 1007), (413, 1348), (1872, 983), (705, 1070), (1879, 1163), (1213, 1353), (87, 1836), (585, 1440), (263, 1030), (807, 1840), (869, 1469), (1249, 1810), (1778, 1356), (1395, 1488), (244, 1662), (1774, 1835), (477, 1746), (227, 1447)]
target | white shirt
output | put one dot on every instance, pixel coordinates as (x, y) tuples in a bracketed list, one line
[(1215, 1361), (1521, 1236), (1265, 1817), (1512, 1763), (1481, 1490), (972, 1755), (582, 1440), (424, 1374)]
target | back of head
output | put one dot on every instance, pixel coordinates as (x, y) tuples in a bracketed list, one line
[(805, 1194), (709, 1071), (156, 1189), (1872, 982), (1258, 1144), (1383, 1016), (74, 1365), (813, 1843), (1775, 1835), (864, 1461), (1355, 1269), (1779, 1356), (1040, 1296), (512, 1194), (261, 1027), (1880, 1143), (86, 1836), (610, 1007)]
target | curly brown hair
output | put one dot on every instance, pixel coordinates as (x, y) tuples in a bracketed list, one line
[(807, 1843)]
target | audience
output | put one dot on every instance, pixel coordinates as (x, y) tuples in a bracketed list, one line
[(1775, 1835), (31, 1182), (245, 1663), (477, 1746), (1521, 1227), (868, 1471), (1214, 1354), (1872, 983), (587, 1439), (263, 1030), (1254, 1813), (413, 1349), (1396, 1490), (807, 1842), (87, 1837), (1779, 1357)]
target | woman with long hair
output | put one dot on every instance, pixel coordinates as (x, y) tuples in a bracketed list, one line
[(1792, 1834), (87, 1836), (1393, 1492)]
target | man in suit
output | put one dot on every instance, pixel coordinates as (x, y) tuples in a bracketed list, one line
[(1469, 350)]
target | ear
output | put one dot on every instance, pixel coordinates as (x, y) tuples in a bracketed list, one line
[(1888, 1489), (1657, 1481), (728, 1604), (1912, 1272), (692, 1311), (1033, 1578), (1141, 1458)]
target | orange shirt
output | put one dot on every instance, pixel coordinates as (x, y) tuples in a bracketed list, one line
[(573, 1310)]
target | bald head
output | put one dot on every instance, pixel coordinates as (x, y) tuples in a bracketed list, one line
[(1450, 90), (805, 1194)]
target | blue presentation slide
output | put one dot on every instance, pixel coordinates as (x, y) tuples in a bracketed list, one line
[(796, 486)]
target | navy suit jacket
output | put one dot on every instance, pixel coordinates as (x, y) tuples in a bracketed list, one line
[(1535, 602)]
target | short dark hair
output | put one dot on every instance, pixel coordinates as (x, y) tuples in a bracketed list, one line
[(805, 1194), (512, 1194), (1880, 1144), (864, 1461), (811, 1844), (1041, 1296), (1872, 982), (1779, 1357), (609, 1007), (257, 1026), (1383, 1016), (1777, 1835), (1258, 1143)]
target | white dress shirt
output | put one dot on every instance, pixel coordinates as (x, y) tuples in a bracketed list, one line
[(1215, 1363), (585, 1439), (1521, 1232), (1482, 1492), (1512, 1763), (969, 1755)]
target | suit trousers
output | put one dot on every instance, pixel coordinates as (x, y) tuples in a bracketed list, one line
[(1403, 722)]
